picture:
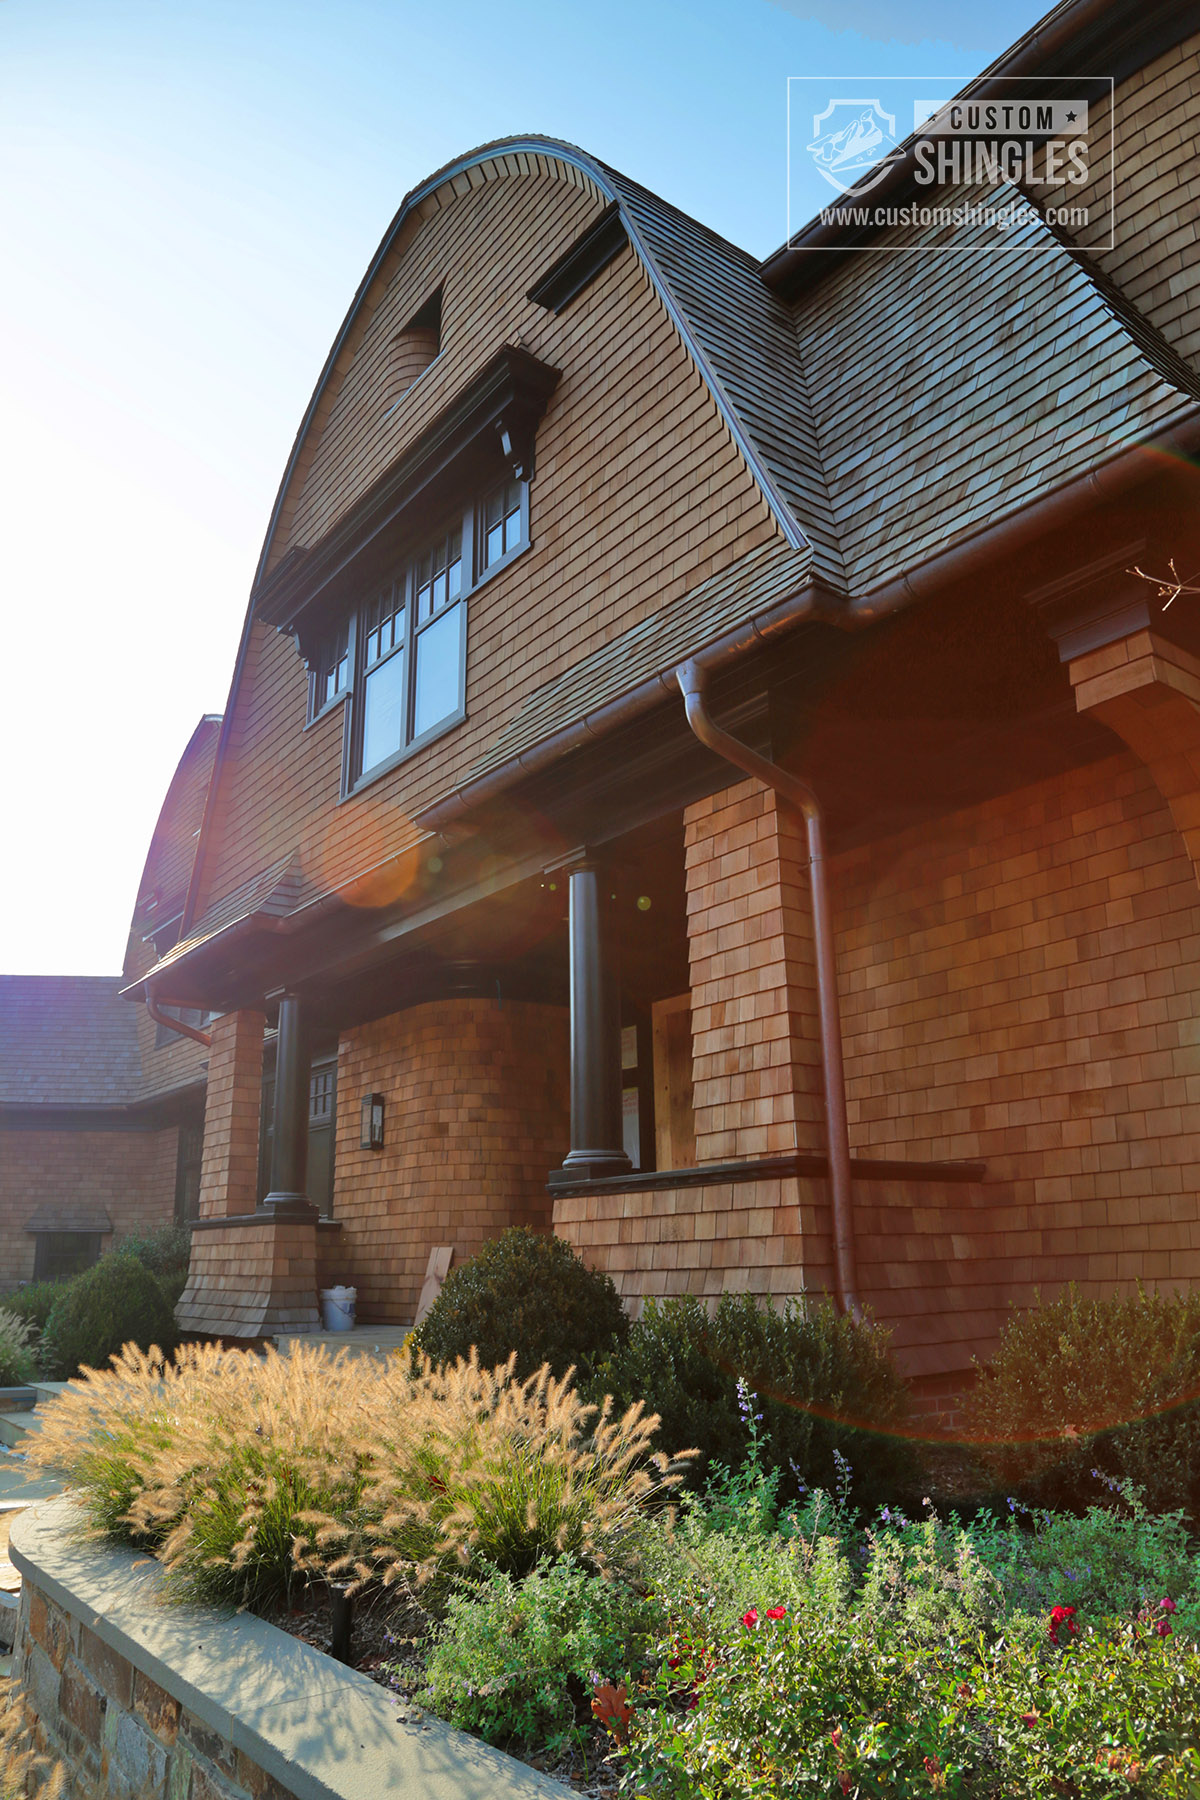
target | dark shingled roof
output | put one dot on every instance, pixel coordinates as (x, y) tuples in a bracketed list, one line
[(67, 1040)]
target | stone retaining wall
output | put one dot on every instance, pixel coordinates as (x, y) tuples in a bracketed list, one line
[(146, 1701)]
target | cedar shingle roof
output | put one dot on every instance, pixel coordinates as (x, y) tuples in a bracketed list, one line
[(654, 646), (951, 388), (67, 1040)]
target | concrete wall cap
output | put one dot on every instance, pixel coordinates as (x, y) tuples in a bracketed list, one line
[(323, 1731)]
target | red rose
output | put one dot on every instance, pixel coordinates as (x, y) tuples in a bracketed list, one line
[(1029, 1718), (777, 1612), (1168, 1606), (1163, 1628), (750, 1619)]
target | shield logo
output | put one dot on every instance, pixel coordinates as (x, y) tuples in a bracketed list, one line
[(850, 138)]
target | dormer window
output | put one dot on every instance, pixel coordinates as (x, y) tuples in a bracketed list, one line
[(413, 349), (401, 657)]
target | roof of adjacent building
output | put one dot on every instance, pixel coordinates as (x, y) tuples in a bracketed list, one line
[(67, 1040)]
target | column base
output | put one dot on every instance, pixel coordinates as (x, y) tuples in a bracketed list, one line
[(593, 1165), (253, 1275)]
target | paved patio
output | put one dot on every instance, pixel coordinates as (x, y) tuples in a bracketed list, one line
[(363, 1340)]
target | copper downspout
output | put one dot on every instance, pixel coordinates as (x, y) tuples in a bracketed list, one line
[(692, 680), (161, 1018)]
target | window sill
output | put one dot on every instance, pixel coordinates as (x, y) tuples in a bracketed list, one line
[(329, 707), (498, 567), (442, 729)]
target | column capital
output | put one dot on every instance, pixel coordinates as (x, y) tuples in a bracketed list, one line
[(1103, 601)]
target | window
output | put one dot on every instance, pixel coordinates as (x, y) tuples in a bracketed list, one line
[(412, 350), (330, 676), (503, 522), (58, 1254), (403, 656)]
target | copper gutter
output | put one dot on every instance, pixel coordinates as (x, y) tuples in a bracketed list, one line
[(692, 679), (813, 602), (162, 1018)]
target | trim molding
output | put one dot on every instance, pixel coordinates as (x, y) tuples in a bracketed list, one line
[(766, 1168)]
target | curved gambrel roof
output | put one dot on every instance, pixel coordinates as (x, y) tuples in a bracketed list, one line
[(738, 334)]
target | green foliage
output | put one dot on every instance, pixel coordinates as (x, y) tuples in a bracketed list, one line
[(165, 1252), (776, 1709), (18, 1365), (247, 1473), (528, 1293), (34, 1301), (116, 1302), (1081, 1384), (515, 1661), (1105, 1562), (824, 1384)]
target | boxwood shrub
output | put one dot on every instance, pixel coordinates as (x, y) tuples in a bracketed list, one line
[(117, 1302), (528, 1292), (825, 1384), (1081, 1385)]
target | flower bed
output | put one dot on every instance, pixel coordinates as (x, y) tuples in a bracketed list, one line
[(769, 1641)]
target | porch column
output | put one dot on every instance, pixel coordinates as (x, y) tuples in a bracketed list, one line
[(289, 1149), (233, 1099), (756, 1042), (597, 1147)]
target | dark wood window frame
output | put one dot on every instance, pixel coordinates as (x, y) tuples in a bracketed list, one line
[(332, 665), (468, 527)]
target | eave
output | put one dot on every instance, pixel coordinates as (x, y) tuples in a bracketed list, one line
[(493, 419)]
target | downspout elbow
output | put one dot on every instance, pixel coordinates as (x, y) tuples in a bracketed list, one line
[(162, 1018)]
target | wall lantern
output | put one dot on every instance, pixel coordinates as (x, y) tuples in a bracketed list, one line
[(371, 1137)]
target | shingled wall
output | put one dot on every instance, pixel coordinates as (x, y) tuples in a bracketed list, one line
[(476, 1114), (1019, 983)]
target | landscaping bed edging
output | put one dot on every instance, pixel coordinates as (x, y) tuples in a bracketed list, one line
[(147, 1699)]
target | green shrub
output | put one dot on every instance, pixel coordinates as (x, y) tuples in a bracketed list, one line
[(165, 1252), (514, 1661), (35, 1299), (18, 1365), (527, 1293), (826, 1388), (1108, 1561), (777, 1709), (116, 1302), (1078, 1385)]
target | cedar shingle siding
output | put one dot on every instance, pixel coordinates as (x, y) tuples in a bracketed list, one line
[(735, 462)]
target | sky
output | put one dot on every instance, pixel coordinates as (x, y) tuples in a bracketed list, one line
[(191, 191)]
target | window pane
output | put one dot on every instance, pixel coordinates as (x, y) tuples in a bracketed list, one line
[(383, 711), (502, 519), (439, 660)]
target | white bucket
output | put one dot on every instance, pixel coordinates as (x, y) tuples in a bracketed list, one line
[(337, 1307)]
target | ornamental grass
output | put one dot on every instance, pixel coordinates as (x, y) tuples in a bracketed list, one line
[(248, 1475)]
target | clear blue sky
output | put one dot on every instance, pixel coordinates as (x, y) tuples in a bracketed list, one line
[(191, 190)]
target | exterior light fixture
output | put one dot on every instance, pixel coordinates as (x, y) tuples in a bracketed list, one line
[(371, 1136)]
